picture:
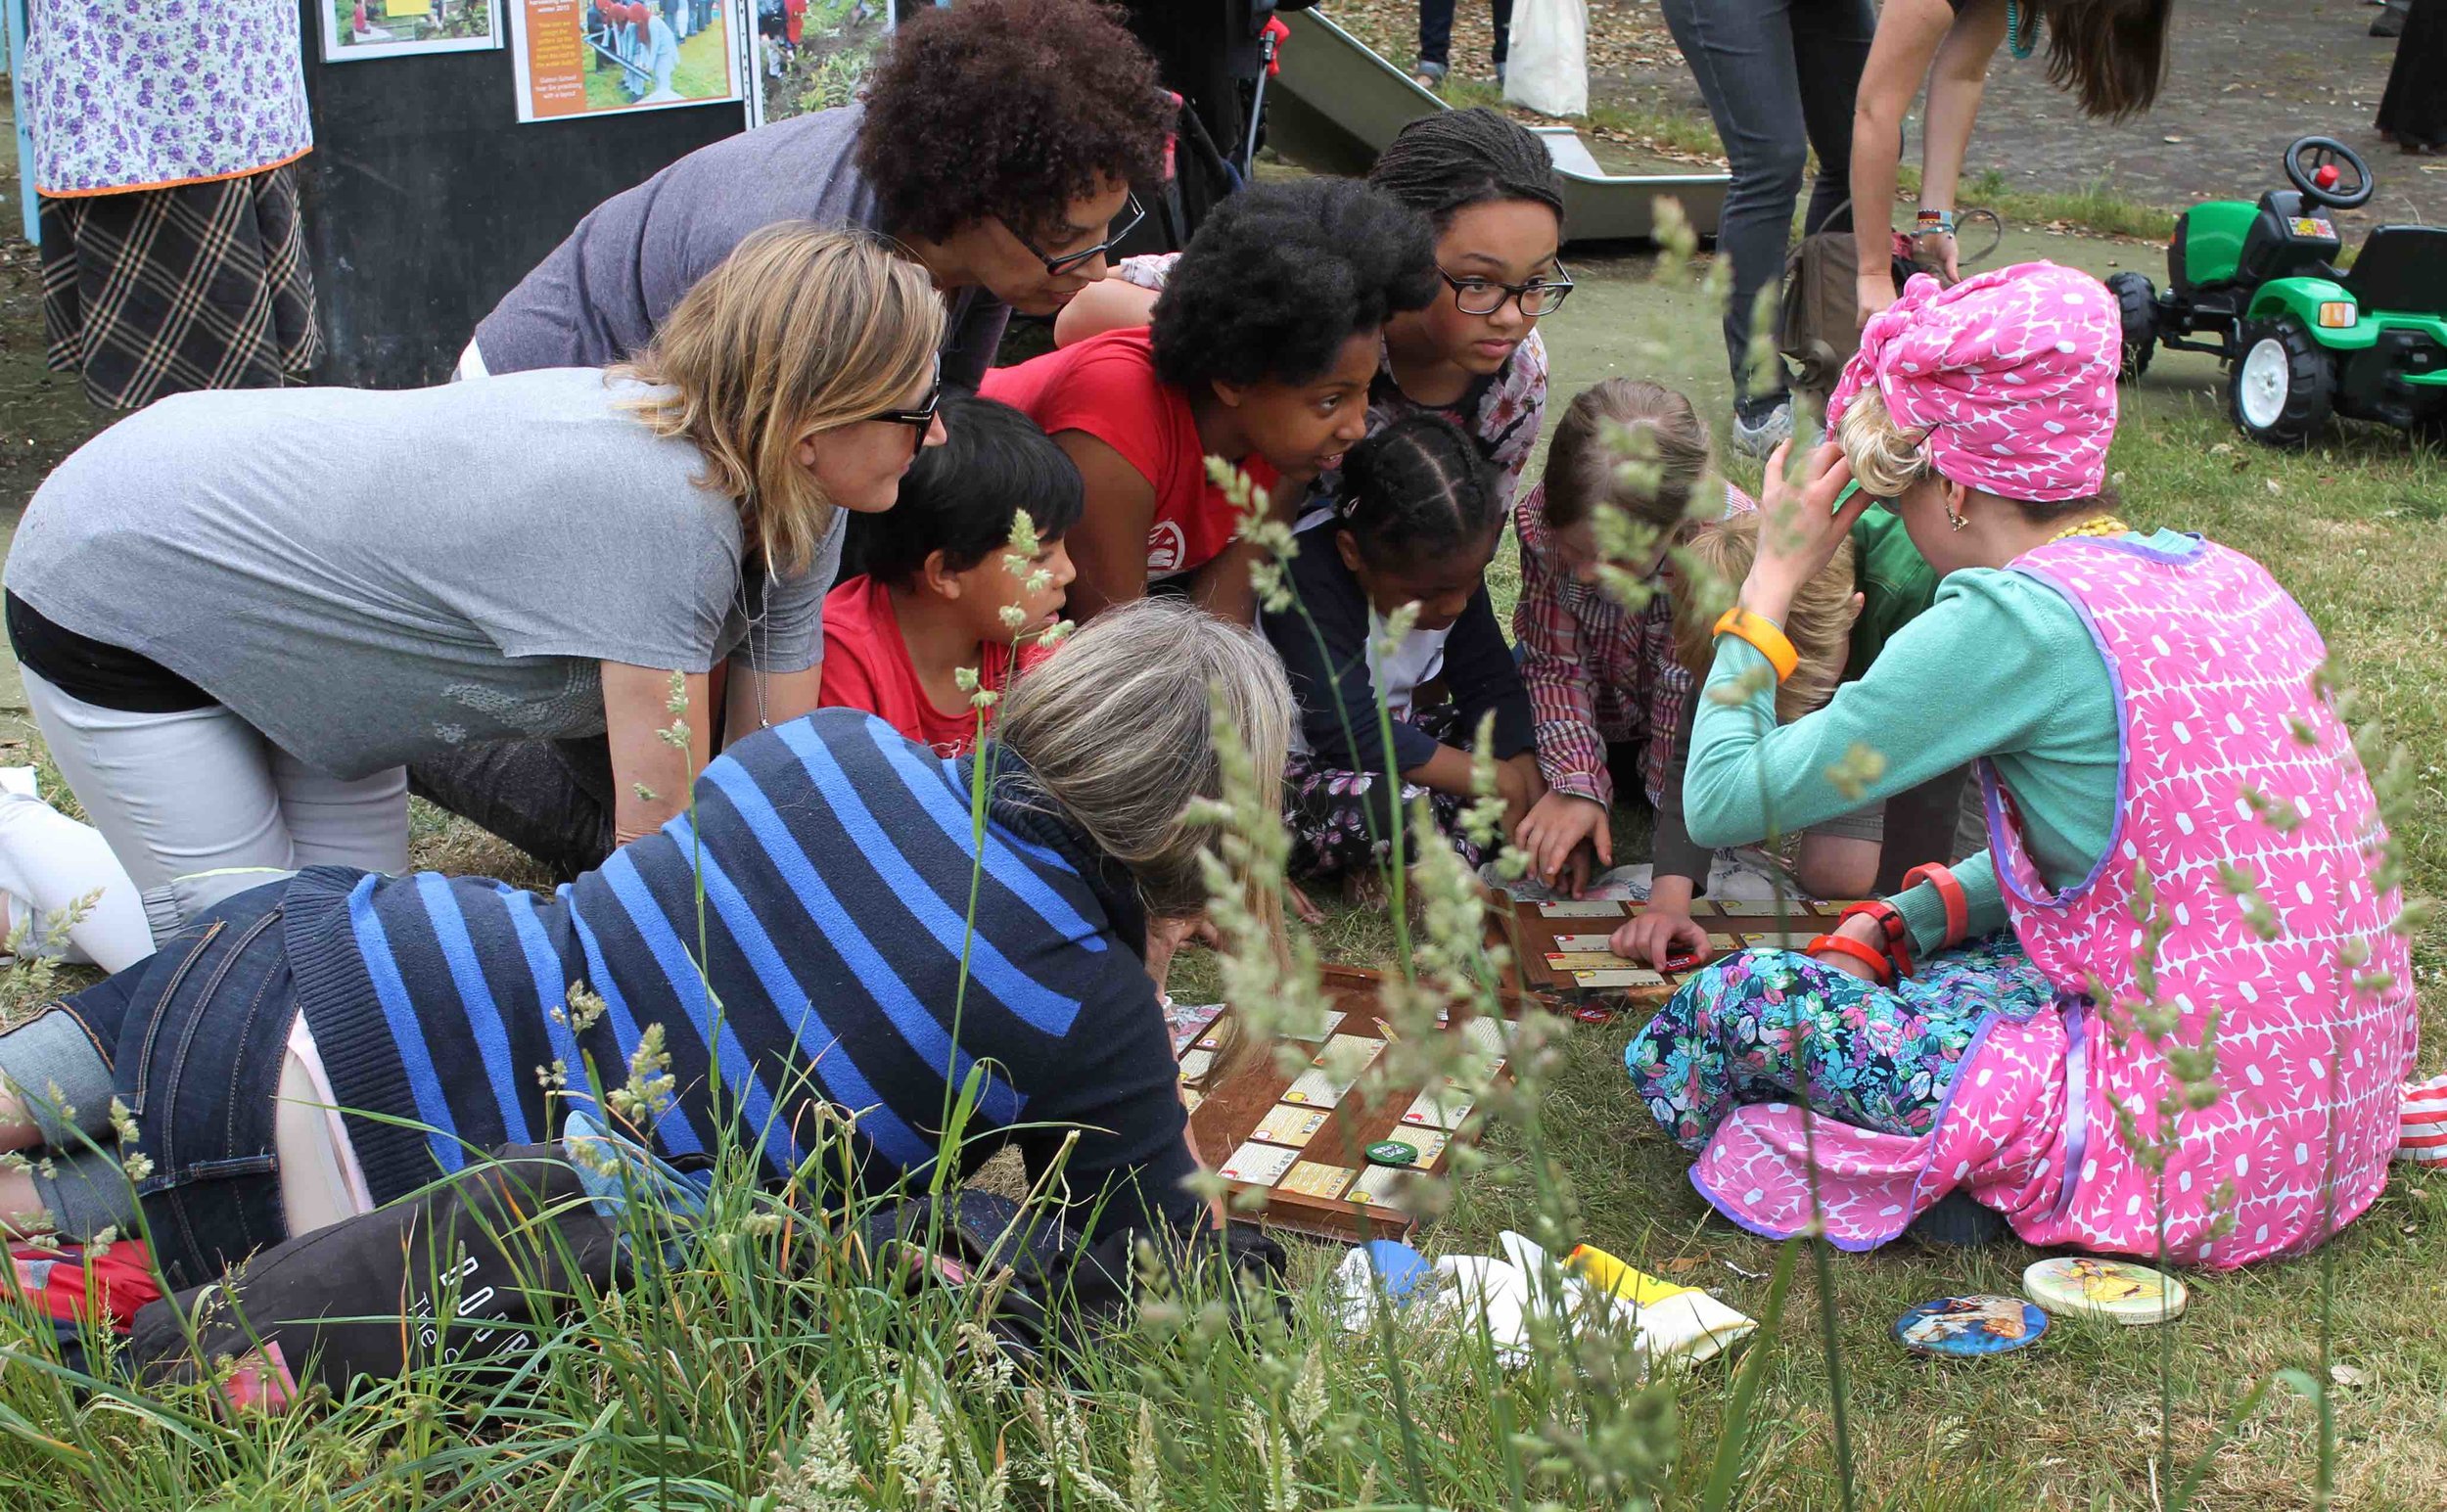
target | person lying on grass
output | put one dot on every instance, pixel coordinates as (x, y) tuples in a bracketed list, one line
[(1261, 354), (2185, 935), (949, 604), (797, 945)]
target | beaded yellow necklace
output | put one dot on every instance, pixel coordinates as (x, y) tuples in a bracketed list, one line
[(2096, 525)]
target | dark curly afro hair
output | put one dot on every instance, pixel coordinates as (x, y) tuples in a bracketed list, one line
[(1008, 109), (1281, 275)]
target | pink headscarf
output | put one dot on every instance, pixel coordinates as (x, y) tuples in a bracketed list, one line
[(2012, 373)]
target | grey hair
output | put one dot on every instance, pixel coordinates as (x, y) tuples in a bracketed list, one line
[(1116, 729)]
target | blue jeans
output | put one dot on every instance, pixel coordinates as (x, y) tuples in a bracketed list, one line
[(197, 1033), (1779, 76)]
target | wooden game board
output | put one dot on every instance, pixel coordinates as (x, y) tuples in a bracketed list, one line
[(1560, 948), (1320, 1142)]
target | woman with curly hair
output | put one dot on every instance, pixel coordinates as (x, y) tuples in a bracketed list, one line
[(1264, 345), (1016, 217)]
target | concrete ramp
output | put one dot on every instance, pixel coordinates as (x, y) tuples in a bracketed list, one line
[(1336, 104)]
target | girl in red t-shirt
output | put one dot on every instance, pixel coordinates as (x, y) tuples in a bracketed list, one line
[(941, 596), (1260, 353)]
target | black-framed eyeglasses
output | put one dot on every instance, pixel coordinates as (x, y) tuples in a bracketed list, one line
[(921, 419), (1485, 295), (1132, 213)]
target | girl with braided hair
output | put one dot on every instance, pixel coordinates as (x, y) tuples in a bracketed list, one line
[(1415, 521)]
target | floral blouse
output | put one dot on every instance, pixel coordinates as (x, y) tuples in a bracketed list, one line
[(144, 94)]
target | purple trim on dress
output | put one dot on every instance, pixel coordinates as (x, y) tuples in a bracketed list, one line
[(1734, 1216), (2006, 877), (2141, 548), (2076, 1103)]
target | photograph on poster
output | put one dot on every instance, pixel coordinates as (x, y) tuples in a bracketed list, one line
[(594, 57), (357, 30), (813, 55)]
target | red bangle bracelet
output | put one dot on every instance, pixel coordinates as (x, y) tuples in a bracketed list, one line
[(1890, 925), (1958, 905), (1881, 970)]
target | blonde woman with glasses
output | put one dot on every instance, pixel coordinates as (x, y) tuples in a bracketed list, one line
[(241, 615)]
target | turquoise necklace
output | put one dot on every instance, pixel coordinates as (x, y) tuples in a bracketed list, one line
[(2015, 42)]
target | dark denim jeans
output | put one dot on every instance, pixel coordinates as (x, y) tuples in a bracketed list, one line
[(552, 799), (1779, 76), (1436, 30), (198, 1031)]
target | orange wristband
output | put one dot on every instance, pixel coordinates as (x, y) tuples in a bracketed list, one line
[(1881, 970), (1958, 905), (1763, 636), (1891, 926)]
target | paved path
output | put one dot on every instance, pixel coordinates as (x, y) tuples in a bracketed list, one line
[(2246, 78)]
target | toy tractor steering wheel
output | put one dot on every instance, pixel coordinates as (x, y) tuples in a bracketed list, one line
[(2320, 165)]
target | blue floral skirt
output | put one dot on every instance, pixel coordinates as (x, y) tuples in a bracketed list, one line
[(1775, 1026)]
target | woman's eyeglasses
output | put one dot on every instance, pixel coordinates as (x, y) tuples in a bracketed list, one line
[(1132, 213), (1485, 295), (921, 419)]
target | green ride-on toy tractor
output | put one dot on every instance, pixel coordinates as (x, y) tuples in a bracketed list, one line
[(2255, 285)]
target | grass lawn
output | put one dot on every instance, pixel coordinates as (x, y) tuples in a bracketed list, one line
[(687, 1398)]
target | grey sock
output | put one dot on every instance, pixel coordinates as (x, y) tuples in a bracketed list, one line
[(87, 1192), (55, 1051)]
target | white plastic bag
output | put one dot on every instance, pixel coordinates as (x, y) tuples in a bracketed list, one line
[(1546, 65)]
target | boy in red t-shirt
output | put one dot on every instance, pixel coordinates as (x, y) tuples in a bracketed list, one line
[(939, 597)]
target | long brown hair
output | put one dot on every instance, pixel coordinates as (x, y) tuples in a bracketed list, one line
[(797, 332), (2112, 54), (1584, 470)]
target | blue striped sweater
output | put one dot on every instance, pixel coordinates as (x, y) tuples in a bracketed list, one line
[(838, 860)]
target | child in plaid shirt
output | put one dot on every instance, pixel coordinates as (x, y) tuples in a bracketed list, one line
[(1606, 691)]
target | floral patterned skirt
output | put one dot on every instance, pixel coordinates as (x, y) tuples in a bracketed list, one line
[(1340, 821), (1775, 1026)]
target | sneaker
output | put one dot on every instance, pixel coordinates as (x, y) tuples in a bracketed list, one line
[(1755, 435), (2390, 23), (1428, 76)]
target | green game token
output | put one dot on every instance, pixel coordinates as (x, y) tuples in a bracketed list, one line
[(1392, 1152)]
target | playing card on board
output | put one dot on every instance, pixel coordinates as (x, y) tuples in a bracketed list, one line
[(1258, 1164), (1583, 960), (1591, 908), (1618, 979), (1313, 1179), (1583, 942), (1289, 1124)]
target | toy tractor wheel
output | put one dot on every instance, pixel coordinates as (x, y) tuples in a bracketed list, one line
[(2138, 303), (2282, 388)]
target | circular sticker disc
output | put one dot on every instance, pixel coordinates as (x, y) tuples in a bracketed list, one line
[(2117, 1289), (1392, 1152), (1962, 1326)]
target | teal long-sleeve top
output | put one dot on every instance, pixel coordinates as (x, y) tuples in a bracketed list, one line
[(2001, 665)]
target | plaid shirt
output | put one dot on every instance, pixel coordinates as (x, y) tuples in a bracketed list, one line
[(1597, 674)]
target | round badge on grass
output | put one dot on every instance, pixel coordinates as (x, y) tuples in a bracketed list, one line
[(2114, 1289), (1968, 1326), (1392, 1152)]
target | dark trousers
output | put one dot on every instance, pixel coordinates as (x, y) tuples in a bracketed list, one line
[(1436, 30), (552, 799), (1779, 77)]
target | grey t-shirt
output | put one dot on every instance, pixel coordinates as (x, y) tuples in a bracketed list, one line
[(605, 290), (369, 577)]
